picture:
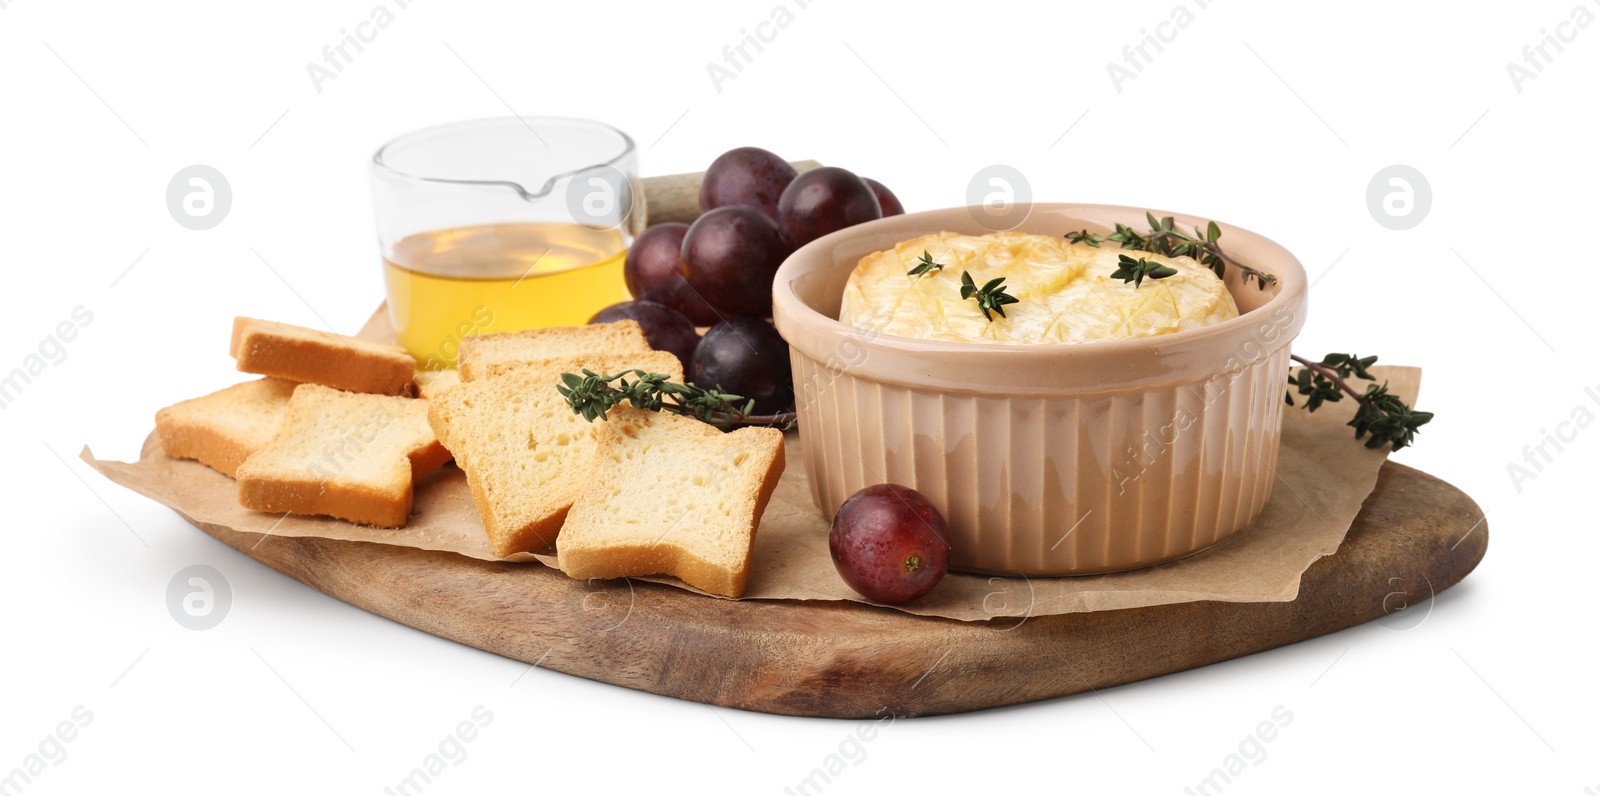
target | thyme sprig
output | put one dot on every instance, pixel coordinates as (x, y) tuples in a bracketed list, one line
[(1380, 416), (591, 395), (992, 297), (924, 265), (1131, 270), (1166, 239)]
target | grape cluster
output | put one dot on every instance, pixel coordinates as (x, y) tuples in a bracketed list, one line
[(755, 210)]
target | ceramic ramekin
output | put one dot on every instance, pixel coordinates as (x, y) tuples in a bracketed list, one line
[(1050, 459)]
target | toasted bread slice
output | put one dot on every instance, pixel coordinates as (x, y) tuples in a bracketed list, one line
[(308, 355), (670, 495), (222, 429), (479, 352), (344, 454), (525, 453), (430, 382), (647, 362)]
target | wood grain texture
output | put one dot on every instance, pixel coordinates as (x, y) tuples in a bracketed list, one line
[(676, 197), (843, 660)]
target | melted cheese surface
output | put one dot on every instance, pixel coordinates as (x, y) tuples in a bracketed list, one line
[(1065, 292)]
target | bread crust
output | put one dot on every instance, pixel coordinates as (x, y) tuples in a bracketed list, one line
[(195, 429), (212, 447), (480, 352), (362, 471), (585, 552), (356, 503), (308, 355)]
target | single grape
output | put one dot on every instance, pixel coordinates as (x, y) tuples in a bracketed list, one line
[(889, 543), (665, 329), (730, 255), (746, 356), (886, 198), (745, 176), (824, 200), (654, 271)]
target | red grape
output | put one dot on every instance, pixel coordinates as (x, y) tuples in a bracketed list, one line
[(745, 176), (730, 255), (747, 357), (889, 543), (824, 200), (654, 272), (665, 329), (886, 198)]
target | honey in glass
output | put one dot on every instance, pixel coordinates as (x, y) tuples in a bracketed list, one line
[(448, 284), (499, 225)]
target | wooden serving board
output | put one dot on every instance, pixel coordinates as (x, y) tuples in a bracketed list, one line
[(842, 659)]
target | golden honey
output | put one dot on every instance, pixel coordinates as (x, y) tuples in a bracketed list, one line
[(449, 284)]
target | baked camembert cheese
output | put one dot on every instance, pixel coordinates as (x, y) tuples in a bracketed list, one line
[(1065, 292)]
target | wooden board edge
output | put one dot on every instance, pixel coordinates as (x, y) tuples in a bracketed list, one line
[(848, 660)]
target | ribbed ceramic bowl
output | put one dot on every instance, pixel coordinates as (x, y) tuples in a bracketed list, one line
[(1049, 459)]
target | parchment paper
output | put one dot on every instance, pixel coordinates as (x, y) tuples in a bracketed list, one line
[(1323, 477)]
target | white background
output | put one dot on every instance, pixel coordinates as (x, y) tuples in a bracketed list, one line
[(1268, 115)]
